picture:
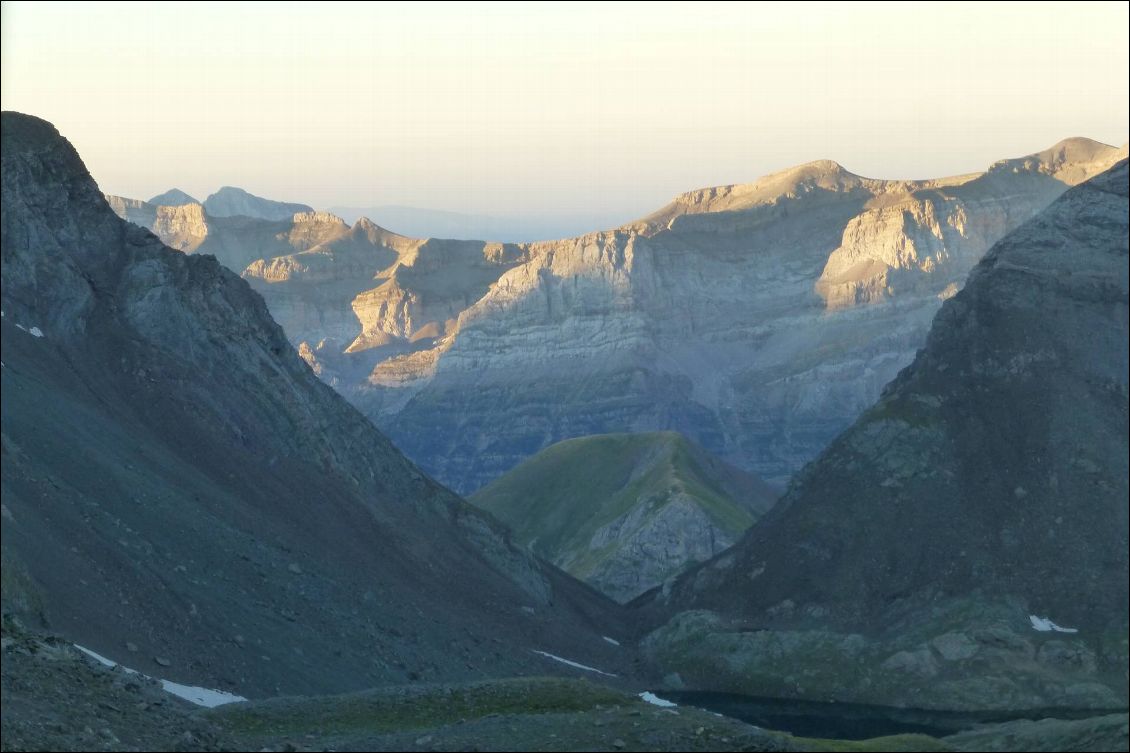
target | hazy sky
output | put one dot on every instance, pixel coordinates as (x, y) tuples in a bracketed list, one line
[(586, 110)]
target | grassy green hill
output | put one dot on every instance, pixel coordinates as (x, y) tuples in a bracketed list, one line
[(626, 511)]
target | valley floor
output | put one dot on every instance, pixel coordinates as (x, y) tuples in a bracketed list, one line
[(55, 698)]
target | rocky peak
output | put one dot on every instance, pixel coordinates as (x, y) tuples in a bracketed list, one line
[(172, 198), (1071, 161), (231, 201)]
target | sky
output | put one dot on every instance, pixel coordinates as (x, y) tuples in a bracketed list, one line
[(597, 113)]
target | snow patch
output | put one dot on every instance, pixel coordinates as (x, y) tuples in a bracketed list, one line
[(200, 696), (575, 664), (1044, 625), (34, 331), (648, 697), (613, 641), (103, 660)]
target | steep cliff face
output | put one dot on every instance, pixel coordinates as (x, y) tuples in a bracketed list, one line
[(625, 512), (355, 303), (136, 211), (183, 227), (965, 541), (230, 201), (235, 241), (176, 479), (759, 320), (921, 240)]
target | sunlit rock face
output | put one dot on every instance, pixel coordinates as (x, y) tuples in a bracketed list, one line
[(230, 201), (964, 543), (759, 319)]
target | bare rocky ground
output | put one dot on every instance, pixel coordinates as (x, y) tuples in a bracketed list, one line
[(56, 698)]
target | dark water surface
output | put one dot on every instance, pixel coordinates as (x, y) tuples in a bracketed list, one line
[(852, 721)]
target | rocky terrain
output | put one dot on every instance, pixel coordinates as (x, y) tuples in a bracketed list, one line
[(230, 201), (55, 698), (964, 543), (759, 320), (181, 494), (625, 512)]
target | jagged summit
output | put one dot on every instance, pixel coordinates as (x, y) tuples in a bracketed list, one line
[(174, 197)]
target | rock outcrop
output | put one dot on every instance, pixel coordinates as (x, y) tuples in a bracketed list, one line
[(625, 512), (230, 201), (177, 482), (135, 210), (964, 543)]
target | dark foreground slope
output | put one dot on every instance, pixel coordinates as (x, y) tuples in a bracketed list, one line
[(179, 486), (625, 512), (931, 554)]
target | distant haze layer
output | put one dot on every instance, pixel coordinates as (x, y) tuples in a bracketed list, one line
[(551, 111)]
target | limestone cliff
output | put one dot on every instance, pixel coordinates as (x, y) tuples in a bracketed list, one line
[(759, 320), (964, 543), (136, 211)]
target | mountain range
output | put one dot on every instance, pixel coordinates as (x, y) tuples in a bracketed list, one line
[(180, 491), (184, 493), (965, 541), (759, 319)]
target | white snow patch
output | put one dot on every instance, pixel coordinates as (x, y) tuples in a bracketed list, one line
[(35, 332), (20, 326), (574, 664), (103, 660), (200, 696), (1044, 625), (648, 697), (613, 641)]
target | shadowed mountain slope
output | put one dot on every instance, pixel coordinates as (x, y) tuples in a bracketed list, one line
[(177, 483), (965, 541)]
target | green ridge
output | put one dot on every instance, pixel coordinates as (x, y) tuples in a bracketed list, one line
[(556, 501)]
